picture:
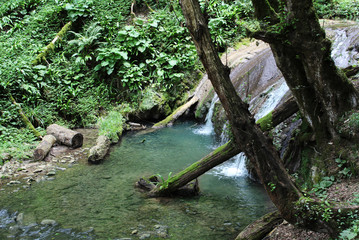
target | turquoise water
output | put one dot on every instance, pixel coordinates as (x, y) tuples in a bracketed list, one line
[(100, 201)]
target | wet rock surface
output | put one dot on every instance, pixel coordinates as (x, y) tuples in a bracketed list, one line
[(12, 225)]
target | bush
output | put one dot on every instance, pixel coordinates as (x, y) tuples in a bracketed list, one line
[(111, 125)]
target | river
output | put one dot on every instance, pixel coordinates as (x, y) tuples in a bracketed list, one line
[(100, 201)]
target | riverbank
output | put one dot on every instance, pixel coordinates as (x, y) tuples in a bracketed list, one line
[(24, 172)]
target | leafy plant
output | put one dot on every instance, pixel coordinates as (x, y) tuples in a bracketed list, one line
[(111, 125), (86, 42), (164, 183)]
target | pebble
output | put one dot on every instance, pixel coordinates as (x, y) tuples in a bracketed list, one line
[(48, 222), (37, 170), (227, 224), (20, 218), (145, 235), (134, 232), (14, 182), (52, 173)]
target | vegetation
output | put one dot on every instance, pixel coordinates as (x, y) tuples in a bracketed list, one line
[(108, 63)]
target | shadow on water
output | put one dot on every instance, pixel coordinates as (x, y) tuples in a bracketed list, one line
[(100, 201)]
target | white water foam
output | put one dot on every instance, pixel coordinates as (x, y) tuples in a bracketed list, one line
[(236, 167), (273, 98)]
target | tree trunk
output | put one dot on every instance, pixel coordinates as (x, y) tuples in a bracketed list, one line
[(44, 147), (257, 147), (288, 199), (218, 156), (100, 150), (278, 115), (303, 54), (65, 136), (224, 152), (168, 121), (261, 227)]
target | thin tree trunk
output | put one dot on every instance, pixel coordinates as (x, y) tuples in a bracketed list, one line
[(25, 119), (42, 56)]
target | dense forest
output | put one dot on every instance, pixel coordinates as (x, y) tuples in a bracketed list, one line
[(103, 64)]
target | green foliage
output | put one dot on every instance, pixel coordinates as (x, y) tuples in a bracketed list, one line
[(79, 9), (164, 183), (226, 20), (18, 143), (348, 9), (85, 43), (320, 189), (111, 125)]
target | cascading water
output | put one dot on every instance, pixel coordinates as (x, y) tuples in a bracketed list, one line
[(207, 128), (236, 167), (275, 93)]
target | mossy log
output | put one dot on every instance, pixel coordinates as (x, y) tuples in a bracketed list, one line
[(218, 156), (25, 119), (42, 56), (44, 147), (65, 136), (99, 151), (221, 154), (278, 115), (168, 121), (261, 227)]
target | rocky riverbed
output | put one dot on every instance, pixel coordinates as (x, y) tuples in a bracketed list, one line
[(23, 173)]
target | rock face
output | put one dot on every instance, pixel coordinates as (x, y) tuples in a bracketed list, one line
[(65, 136), (99, 151)]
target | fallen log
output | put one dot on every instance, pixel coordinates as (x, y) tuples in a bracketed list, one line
[(221, 154), (182, 178), (168, 121), (44, 147), (65, 136), (98, 152), (261, 227), (278, 115)]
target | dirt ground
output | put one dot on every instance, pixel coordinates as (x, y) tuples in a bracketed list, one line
[(342, 191)]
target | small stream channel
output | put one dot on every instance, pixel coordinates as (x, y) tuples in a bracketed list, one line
[(100, 201)]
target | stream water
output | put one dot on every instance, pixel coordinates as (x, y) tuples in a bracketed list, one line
[(100, 201)]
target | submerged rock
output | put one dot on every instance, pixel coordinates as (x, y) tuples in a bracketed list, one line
[(48, 222)]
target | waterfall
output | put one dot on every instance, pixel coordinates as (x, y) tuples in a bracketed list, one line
[(236, 167), (207, 128), (275, 93)]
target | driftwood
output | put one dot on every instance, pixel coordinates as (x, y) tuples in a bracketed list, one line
[(44, 147), (136, 126), (65, 136), (99, 151), (147, 185), (261, 227)]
